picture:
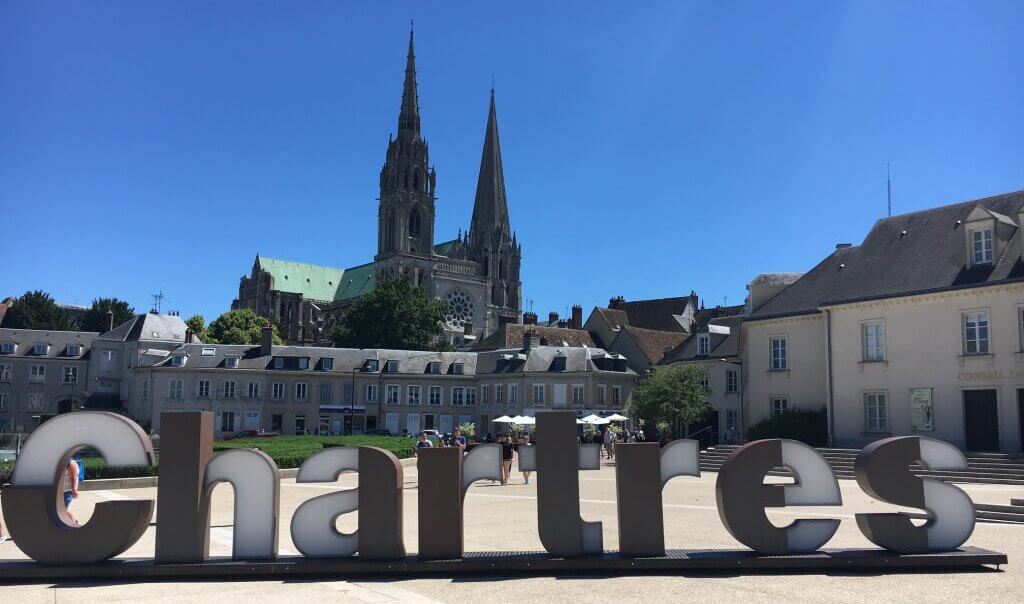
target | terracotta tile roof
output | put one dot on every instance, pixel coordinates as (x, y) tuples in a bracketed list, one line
[(654, 343)]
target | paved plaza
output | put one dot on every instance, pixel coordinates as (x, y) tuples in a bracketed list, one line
[(504, 518)]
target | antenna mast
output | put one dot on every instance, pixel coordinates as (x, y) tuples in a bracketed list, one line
[(888, 187), (158, 299)]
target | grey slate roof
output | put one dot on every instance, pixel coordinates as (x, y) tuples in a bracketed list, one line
[(722, 346), (58, 341), (930, 256), (541, 359), (149, 326)]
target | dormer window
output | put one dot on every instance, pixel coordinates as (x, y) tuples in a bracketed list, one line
[(982, 246), (327, 364), (371, 365), (73, 350), (231, 362), (40, 349), (303, 362), (703, 345), (177, 360), (434, 367), (209, 352), (6, 347), (278, 363), (458, 368), (391, 367)]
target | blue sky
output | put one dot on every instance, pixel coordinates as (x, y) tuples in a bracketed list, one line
[(649, 149)]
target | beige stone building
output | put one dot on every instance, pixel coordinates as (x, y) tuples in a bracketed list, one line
[(918, 330)]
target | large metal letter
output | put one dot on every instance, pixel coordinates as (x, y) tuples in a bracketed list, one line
[(314, 532), (253, 475), (380, 505), (641, 471), (444, 478), (186, 446), (882, 470), (33, 506), (742, 496), (562, 531)]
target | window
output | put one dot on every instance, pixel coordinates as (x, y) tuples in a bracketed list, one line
[(577, 394), (107, 359), (705, 382), (873, 337), (229, 389), (434, 367), (327, 364), (435, 396), (703, 345), (412, 395), (780, 404), (976, 333), (231, 362), (458, 368), (71, 375), (499, 394), (347, 392), (732, 381), (175, 388), (302, 391), (208, 352), (325, 395), (513, 394), (876, 418), (6, 347), (4, 404), (300, 424), (177, 360), (227, 421), (470, 397), (145, 390), (278, 363), (458, 396), (982, 246), (485, 394), (601, 389), (391, 367), (73, 350), (392, 394), (538, 394), (780, 358), (372, 365), (732, 418), (371, 393), (253, 390), (35, 402), (40, 349), (37, 373), (276, 421), (616, 396), (303, 362), (277, 391), (204, 389), (5, 373)]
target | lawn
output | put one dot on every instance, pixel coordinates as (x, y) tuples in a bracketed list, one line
[(286, 451)]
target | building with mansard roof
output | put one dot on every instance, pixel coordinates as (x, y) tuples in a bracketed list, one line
[(476, 274)]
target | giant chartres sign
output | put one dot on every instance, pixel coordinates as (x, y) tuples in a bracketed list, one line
[(189, 471)]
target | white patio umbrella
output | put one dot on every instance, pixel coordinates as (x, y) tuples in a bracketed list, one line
[(524, 420), (615, 417), (504, 419), (595, 420)]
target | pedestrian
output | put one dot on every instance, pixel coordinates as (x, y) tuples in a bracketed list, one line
[(423, 443), (609, 443), (458, 440), (526, 442), (631, 437), (640, 435), (507, 453), (70, 484)]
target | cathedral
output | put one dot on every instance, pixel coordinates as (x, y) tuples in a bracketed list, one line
[(476, 274)]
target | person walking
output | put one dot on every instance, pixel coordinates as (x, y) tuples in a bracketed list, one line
[(423, 443), (70, 484), (507, 453), (458, 440), (609, 443), (525, 442)]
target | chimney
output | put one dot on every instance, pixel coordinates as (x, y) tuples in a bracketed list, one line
[(527, 339), (110, 320), (843, 246), (266, 340), (616, 301), (577, 317), (552, 317), (189, 336), (529, 318)]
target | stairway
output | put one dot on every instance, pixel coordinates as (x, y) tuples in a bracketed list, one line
[(991, 468)]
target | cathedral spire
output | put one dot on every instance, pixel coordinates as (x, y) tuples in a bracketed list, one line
[(409, 116), (490, 209)]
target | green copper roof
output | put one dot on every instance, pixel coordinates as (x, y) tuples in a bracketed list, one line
[(356, 281), (442, 249), (317, 282)]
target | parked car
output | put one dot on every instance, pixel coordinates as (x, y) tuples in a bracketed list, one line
[(432, 434), (378, 432)]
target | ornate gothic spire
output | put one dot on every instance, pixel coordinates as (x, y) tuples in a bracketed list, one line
[(409, 116), (490, 209)]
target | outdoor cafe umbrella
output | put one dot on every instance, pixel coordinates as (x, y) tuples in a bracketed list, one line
[(523, 420), (615, 417), (504, 419), (595, 420)]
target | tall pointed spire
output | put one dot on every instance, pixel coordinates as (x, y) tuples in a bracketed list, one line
[(490, 209), (409, 116)]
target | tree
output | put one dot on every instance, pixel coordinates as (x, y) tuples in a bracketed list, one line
[(95, 319), (197, 323), (676, 393), (240, 326), (397, 315), (36, 310)]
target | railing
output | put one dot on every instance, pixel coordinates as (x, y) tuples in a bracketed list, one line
[(705, 436)]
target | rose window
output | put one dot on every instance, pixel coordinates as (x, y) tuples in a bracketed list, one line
[(460, 308)]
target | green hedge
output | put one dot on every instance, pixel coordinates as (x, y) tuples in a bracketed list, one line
[(286, 451), (808, 426)]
